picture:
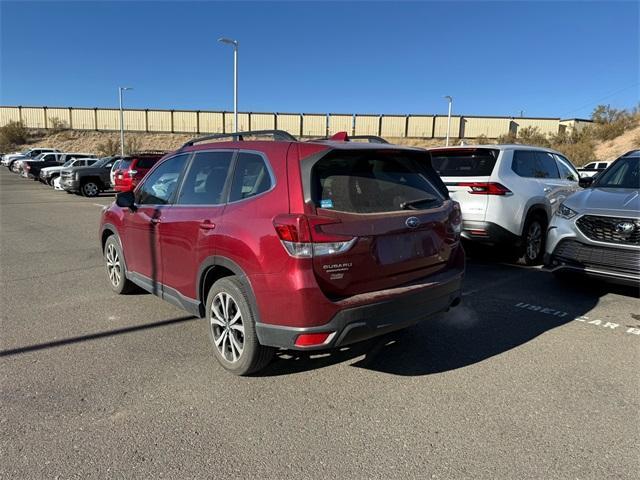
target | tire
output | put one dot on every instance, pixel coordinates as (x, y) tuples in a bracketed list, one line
[(231, 327), (534, 235), (90, 189), (115, 267)]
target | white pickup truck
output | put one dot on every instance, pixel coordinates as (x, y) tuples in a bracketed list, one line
[(593, 168)]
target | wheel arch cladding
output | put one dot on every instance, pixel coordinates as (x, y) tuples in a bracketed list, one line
[(214, 268)]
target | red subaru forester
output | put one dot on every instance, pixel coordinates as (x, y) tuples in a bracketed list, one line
[(289, 244)]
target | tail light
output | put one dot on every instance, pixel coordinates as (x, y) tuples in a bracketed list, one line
[(302, 236), (486, 188)]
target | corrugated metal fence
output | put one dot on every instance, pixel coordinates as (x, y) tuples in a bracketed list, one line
[(299, 124)]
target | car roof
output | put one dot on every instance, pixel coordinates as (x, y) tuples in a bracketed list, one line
[(498, 146)]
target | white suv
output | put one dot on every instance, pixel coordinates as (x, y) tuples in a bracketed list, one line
[(507, 193)]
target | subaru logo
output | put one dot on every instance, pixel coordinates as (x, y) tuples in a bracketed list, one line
[(625, 228), (412, 222)]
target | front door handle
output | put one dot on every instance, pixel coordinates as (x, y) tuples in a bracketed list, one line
[(207, 225)]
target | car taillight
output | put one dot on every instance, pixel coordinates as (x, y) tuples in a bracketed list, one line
[(302, 236), (486, 188)]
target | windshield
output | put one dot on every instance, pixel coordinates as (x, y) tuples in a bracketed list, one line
[(39, 157), (102, 162), (624, 173), (68, 163), (463, 162)]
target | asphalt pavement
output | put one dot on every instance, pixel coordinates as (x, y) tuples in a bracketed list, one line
[(528, 378)]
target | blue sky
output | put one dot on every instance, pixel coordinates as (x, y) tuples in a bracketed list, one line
[(495, 58)]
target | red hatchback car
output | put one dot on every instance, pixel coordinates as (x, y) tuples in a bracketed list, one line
[(133, 168), (289, 244)]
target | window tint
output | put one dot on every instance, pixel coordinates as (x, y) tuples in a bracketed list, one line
[(159, 185), (464, 163), (205, 181), (251, 177), (124, 164), (370, 181), (532, 164), (624, 173), (602, 165), (590, 165), (567, 172), (147, 162)]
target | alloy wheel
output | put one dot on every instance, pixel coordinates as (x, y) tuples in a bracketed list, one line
[(227, 327), (113, 265), (90, 189), (534, 240)]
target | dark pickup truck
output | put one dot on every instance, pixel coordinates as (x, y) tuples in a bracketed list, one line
[(88, 181), (31, 168)]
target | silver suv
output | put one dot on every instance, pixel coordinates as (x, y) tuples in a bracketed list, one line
[(597, 231), (507, 193)]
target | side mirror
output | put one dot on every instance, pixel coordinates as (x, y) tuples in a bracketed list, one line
[(126, 200), (585, 182)]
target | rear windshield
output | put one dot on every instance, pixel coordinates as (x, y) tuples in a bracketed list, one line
[(146, 162), (464, 163), (374, 181)]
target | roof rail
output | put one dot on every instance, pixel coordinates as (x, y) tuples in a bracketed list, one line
[(277, 135), (142, 153), (344, 137)]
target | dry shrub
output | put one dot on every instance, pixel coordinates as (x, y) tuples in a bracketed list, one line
[(11, 135), (109, 147)]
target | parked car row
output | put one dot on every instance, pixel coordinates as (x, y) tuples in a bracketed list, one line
[(81, 173), (352, 239)]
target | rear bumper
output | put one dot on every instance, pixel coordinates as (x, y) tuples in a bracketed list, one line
[(487, 232), (362, 322)]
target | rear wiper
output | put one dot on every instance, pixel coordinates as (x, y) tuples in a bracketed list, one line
[(410, 205)]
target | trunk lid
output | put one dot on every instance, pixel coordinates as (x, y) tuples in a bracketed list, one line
[(394, 208)]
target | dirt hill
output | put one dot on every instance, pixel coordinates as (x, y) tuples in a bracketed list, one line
[(101, 142), (612, 149)]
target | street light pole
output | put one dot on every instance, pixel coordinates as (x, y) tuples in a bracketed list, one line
[(450, 99), (235, 44), (120, 90)]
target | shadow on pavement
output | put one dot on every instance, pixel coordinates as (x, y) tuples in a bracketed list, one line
[(93, 336), (488, 323)]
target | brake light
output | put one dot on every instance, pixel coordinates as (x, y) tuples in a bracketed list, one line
[(486, 188), (302, 236)]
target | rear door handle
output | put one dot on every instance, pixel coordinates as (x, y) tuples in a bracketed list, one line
[(207, 225)]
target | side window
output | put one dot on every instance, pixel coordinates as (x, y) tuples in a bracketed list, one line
[(602, 165), (159, 185), (589, 166), (546, 166), (205, 181), (567, 172), (251, 177), (524, 163)]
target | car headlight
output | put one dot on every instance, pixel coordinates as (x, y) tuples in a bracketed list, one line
[(565, 212)]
